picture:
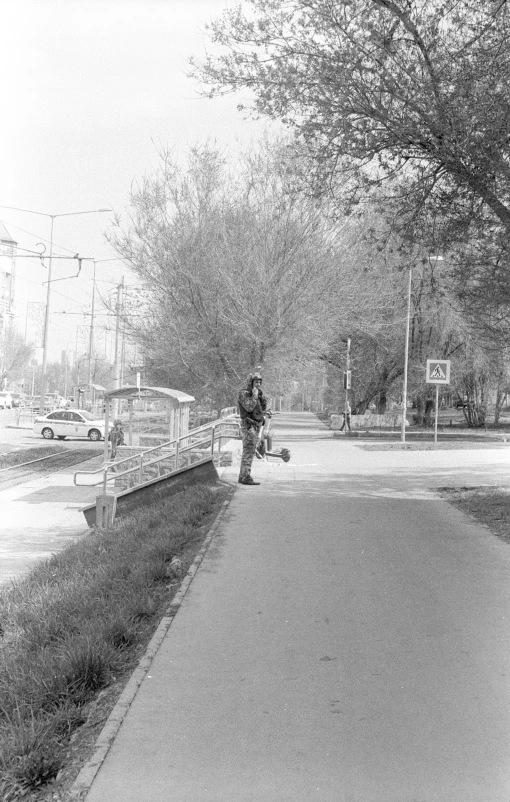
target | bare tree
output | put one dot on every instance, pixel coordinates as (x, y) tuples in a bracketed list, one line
[(235, 264), (371, 309)]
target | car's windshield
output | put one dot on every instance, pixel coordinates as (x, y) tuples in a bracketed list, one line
[(87, 415)]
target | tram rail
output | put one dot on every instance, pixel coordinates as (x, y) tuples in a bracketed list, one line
[(50, 463)]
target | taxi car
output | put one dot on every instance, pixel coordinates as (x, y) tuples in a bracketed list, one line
[(64, 423)]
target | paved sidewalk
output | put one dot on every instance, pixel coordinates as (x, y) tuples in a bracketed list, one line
[(345, 639)]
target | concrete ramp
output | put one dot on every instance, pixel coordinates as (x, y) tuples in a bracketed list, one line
[(201, 472)]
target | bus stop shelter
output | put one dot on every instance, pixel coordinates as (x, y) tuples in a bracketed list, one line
[(177, 403), (88, 396)]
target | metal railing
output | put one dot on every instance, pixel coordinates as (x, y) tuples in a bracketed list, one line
[(163, 459), (25, 416)]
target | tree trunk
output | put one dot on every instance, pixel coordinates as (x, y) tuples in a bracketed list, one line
[(500, 395), (420, 410), (430, 407), (381, 403)]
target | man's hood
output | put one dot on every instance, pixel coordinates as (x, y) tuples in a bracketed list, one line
[(251, 378)]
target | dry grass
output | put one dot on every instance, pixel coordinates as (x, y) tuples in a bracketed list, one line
[(488, 505), (76, 627)]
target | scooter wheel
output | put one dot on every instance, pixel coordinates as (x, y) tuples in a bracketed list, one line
[(285, 454)]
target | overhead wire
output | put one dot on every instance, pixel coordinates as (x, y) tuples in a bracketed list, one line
[(38, 236), (57, 247)]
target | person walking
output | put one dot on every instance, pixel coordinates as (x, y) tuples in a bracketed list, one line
[(347, 417), (252, 404)]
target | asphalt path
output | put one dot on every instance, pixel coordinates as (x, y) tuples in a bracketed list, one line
[(345, 639)]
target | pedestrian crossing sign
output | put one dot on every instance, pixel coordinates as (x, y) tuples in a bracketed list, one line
[(438, 371)]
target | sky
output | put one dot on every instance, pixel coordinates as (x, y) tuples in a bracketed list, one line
[(92, 89)]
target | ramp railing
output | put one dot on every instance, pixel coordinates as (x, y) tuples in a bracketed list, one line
[(162, 460)]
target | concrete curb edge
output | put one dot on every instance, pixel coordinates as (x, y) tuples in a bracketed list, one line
[(87, 774)]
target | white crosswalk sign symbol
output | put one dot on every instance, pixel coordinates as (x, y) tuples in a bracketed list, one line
[(438, 371)]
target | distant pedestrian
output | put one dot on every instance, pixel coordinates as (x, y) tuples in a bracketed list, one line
[(252, 405), (347, 417), (116, 436)]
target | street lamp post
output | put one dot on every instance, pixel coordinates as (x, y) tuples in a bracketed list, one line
[(406, 356), (91, 338), (48, 291)]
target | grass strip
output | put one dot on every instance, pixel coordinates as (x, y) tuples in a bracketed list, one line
[(488, 505), (78, 623)]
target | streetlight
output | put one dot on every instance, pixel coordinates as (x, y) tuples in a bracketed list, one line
[(67, 366), (91, 338), (92, 313), (48, 291), (406, 356)]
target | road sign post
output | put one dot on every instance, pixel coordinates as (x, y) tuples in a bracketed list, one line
[(438, 372)]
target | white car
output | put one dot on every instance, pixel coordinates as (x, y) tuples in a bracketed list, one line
[(70, 423), (5, 400)]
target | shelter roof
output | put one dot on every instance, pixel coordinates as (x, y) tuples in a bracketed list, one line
[(99, 387), (150, 392), (5, 236)]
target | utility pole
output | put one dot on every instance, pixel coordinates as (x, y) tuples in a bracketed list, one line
[(53, 217), (91, 338), (116, 364), (46, 323), (406, 355)]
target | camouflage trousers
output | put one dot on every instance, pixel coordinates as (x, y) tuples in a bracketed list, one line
[(250, 439)]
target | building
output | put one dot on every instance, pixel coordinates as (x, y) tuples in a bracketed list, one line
[(7, 274)]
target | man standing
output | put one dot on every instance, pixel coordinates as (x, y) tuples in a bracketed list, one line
[(116, 437), (252, 404)]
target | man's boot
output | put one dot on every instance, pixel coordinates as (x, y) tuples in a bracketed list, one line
[(248, 481)]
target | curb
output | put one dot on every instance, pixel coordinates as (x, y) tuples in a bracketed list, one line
[(87, 774)]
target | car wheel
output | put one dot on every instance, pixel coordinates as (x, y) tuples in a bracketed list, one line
[(47, 433), (94, 435)]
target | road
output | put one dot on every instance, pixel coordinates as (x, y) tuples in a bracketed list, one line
[(10, 437), (346, 639), (40, 515)]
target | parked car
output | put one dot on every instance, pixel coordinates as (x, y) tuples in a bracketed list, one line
[(18, 399), (5, 400), (35, 403), (56, 401), (70, 423)]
